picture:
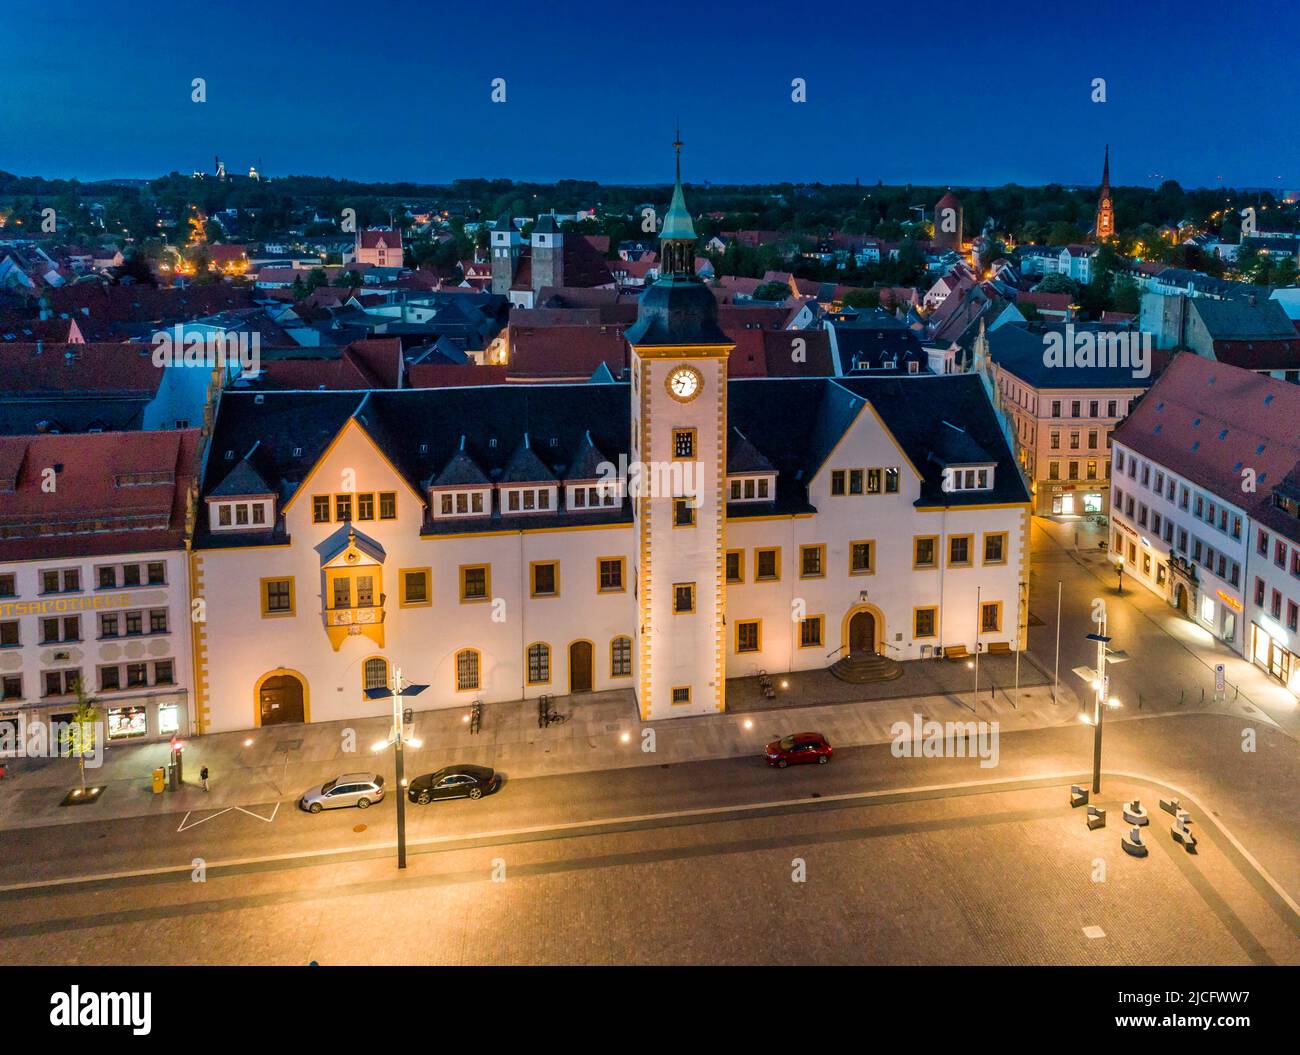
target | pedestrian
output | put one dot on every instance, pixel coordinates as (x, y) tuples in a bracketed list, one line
[(203, 776)]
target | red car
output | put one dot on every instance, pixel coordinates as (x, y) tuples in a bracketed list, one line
[(798, 749)]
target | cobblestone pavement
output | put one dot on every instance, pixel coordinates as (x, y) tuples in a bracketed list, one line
[(961, 876)]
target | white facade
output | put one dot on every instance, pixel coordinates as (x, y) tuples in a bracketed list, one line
[(119, 623), (1182, 542), (503, 615)]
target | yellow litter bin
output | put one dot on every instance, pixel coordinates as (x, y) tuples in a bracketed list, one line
[(159, 781)]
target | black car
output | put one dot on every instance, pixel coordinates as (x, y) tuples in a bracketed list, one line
[(454, 782)]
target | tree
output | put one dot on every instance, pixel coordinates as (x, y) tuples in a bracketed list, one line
[(80, 735), (1125, 296), (1055, 284), (772, 291), (862, 298)]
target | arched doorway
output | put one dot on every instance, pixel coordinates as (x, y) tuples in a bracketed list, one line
[(1181, 600), (581, 658), (862, 631), (281, 698)]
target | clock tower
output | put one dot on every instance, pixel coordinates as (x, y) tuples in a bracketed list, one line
[(678, 487)]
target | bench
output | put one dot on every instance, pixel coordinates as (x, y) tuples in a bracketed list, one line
[(1000, 647), (1133, 844), (956, 652)]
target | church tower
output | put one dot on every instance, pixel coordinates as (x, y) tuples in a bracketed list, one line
[(1105, 226), (506, 248), (679, 446)]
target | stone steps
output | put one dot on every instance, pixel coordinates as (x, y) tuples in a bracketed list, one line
[(866, 667)]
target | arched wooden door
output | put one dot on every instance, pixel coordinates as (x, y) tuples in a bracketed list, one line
[(862, 633), (280, 700), (581, 659)]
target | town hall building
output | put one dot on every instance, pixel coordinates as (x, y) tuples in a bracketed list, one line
[(660, 534)]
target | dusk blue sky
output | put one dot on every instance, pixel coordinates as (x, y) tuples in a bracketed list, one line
[(934, 93)]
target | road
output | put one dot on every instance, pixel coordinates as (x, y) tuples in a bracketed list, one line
[(711, 847)]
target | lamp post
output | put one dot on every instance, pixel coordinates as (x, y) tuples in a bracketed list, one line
[(398, 739), (1119, 571), (1101, 700)]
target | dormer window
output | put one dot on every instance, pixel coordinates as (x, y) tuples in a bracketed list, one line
[(253, 514), (585, 497), (968, 477), (751, 488), (528, 499), (468, 502)]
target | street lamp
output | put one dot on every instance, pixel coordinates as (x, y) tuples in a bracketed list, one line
[(1102, 699), (398, 738), (1119, 570)]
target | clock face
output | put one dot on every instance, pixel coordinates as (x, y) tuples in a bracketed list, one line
[(684, 383)]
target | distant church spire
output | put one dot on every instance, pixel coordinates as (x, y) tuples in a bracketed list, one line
[(1105, 225)]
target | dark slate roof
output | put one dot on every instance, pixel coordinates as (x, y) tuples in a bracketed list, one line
[(869, 344), (677, 310), (545, 225), (914, 408), (525, 467), (743, 456), (1241, 320), (953, 445), (1018, 349), (587, 461), (461, 471), (548, 432), (242, 481)]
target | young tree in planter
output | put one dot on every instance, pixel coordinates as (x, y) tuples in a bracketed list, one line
[(80, 735)]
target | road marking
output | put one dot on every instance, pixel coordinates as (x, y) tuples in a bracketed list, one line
[(1093, 932), (229, 809), (1010, 784)]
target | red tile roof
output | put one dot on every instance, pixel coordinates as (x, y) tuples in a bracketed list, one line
[(67, 369), (118, 492), (565, 351), (1195, 401), (371, 238)]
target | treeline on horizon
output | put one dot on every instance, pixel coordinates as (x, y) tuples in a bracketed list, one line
[(1050, 213)]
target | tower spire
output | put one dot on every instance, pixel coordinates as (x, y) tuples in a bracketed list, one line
[(1104, 226), (677, 238)]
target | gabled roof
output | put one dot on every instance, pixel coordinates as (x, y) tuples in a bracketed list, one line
[(243, 481), (461, 471), (743, 456), (117, 492), (587, 461), (1208, 421), (525, 467)]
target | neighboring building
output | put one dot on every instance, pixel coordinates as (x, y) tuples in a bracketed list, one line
[(1206, 505), (475, 536), (94, 579), (1254, 335), (379, 247), (947, 224), (550, 260), (1062, 416)]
